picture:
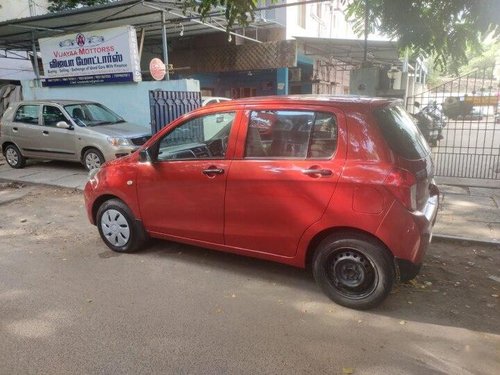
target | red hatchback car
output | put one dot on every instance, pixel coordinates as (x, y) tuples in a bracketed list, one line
[(344, 185)]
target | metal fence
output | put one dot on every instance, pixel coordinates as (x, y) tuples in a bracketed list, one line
[(166, 106), (469, 141)]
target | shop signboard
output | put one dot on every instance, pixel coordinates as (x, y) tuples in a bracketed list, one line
[(90, 57)]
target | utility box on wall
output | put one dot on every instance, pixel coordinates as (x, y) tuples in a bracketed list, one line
[(364, 81)]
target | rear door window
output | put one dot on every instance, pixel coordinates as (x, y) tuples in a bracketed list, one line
[(27, 114), (401, 133), (291, 135)]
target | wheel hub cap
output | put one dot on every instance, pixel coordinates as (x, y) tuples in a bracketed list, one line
[(115, 227), (92, 161), (11, 156)]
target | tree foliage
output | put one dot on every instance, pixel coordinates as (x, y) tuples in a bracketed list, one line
[(445, 29), (58, 5), (239, 12)]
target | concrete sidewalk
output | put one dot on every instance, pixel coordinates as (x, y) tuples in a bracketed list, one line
[(54, 173), (468, 213)]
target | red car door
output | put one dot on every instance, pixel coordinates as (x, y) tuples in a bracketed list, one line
[(285, 171), (181, 192)]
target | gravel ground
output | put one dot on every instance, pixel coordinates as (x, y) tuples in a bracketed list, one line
[(69, 305)]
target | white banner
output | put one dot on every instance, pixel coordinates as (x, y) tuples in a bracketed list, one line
[(109, 55)]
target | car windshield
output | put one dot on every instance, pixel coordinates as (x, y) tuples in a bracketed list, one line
[(92, 114)]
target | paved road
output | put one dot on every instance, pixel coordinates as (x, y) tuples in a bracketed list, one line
[(68, 305)]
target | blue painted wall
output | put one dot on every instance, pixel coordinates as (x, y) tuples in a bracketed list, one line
[(131, 101)]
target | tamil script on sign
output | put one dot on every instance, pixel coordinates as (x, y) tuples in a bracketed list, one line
[(97, 56)]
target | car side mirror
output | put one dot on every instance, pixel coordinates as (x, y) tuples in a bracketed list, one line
[(64, 125), (145, 156)]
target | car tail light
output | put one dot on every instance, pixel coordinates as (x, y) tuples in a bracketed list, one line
[(403, 185)]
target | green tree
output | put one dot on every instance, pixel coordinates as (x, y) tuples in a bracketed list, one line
[(446, 29), (58, 5)]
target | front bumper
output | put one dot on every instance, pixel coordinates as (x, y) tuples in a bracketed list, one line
[(111, 152)]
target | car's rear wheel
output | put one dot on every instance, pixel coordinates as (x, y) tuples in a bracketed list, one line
[(14, 157), (118, 227), (354, 270), (93, 158)]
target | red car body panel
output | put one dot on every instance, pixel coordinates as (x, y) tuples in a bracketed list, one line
[(268, 208)]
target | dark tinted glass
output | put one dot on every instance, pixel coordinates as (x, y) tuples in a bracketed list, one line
[(52, 115), (401, 133)]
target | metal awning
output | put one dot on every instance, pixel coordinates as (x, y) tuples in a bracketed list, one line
[(351, 51), (144, 15)]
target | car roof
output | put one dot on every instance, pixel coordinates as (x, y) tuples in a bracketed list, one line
[(345, 100), (54, 101), (214, 97)]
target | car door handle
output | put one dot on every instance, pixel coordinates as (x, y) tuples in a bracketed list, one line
[(213, 170), (45, 132), (313, 172), (15, 130)]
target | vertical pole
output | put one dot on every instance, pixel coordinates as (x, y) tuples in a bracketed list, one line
[(141, 44), (282, 81), (35, 60), (31, 4), (365, 52), (164, 41)]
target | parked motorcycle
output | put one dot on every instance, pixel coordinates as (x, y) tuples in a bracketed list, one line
[(430, 120)]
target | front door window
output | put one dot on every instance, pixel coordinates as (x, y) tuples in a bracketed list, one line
[(52, 115), (204, 137)]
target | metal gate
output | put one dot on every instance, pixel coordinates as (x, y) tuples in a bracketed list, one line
[(166, 106), (468, 145)]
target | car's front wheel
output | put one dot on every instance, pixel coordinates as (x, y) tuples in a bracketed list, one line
[(118, 228), (354, 270), (93, 158), (14, 157)]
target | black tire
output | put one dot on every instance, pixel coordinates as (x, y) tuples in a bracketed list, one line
[(113, 218), (354, 270), (92, 158), (14, 157)]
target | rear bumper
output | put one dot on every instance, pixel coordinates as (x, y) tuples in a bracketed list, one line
[(408, 234)]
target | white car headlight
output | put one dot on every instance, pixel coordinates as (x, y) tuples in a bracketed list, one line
[(118, 141)]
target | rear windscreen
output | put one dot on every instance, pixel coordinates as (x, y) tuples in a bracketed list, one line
[(401, 133)]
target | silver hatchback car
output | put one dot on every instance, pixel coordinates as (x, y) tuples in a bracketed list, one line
[(80, 131)]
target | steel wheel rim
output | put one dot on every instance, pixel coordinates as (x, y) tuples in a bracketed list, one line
[(115, 227), (12, 156), (351, 273), (92, 161)]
